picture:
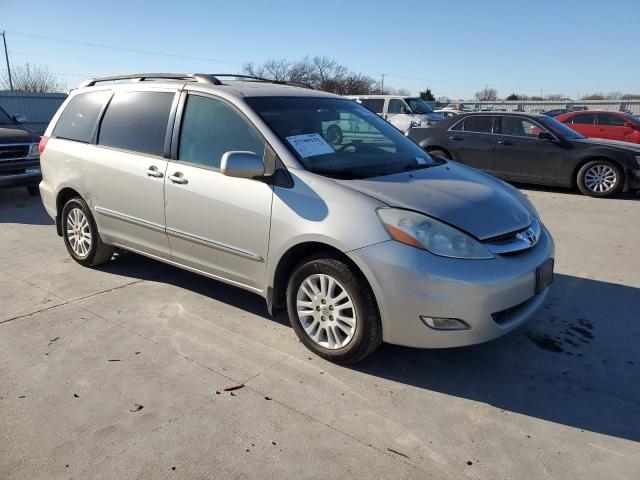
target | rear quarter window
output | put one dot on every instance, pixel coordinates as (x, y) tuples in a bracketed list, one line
[(79, 117), (137, 121), (374, 104)]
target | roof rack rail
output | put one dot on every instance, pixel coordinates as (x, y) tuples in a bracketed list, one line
[(261, 79), (141, 77)]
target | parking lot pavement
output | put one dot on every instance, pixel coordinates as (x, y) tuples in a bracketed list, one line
[(118, 372)]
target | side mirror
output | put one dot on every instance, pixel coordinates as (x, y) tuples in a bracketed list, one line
[(19, 118), (242, 165), (544, 136)]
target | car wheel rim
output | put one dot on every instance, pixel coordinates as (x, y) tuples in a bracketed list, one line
[(600, 178), (78, 232), (326, 311)]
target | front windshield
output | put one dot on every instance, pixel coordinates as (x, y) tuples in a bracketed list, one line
[(561, 129), (339, 138), (4, 118), (417, 105)]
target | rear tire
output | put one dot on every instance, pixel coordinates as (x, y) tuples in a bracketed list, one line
[(81, 236), (600, 178), (338, 320), (439, 153), (33, 190)]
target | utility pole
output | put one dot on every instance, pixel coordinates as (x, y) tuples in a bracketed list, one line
[(382, 85), (6, 56)]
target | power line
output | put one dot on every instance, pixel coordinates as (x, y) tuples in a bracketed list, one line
[(123, 49)]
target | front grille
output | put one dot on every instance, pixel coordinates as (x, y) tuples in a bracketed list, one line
[(14, 151), (516, 242)]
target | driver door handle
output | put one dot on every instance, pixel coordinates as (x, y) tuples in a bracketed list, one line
[(455, 137), (505, 142), (153, 171), (178, 178)]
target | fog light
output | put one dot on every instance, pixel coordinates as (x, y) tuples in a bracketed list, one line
[(438, 323)]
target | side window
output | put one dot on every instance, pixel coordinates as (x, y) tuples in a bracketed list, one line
[(137, 121), (374, 104), (611, 120), (79, 118), (584, 119), (478, 123), (519, 127), (210, 128), (395, 106)]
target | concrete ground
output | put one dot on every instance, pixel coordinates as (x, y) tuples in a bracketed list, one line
[(118, 372)]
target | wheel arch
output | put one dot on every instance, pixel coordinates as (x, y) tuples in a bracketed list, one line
[(64, 195), (584, 161), (276, 291)]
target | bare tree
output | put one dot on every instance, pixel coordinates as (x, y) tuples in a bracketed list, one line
[(322, 73), (630, 96), (594, 96), (32, 78), (555, 96), (486, 94)]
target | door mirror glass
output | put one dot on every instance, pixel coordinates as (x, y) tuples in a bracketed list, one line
[(544, 136), (242, 165), (19, 118)]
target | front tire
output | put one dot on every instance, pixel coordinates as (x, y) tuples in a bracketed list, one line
[(332, 309), (600, 178), (81, 236), (440, 153)]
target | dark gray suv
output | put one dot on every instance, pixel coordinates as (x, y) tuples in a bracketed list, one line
[(19, 157)]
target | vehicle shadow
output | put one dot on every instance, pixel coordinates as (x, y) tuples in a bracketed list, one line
[(630, 195), (17, 206), (576, 363)]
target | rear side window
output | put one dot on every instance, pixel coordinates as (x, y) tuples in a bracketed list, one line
[(584, 119), (137, 121), (79, 117), (611, 120), (395, 106), (479, 124), (210, 128), (374, 104)]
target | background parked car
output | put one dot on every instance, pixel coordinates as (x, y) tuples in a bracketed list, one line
[(19, 157), (447, 113), (557, 111), (400, 111), (534, 148), (601, 124)]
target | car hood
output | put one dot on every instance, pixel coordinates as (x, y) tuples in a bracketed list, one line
[(10, 134), (470, 200), (610, 143)]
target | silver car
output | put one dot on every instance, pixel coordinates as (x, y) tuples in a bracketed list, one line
[(363, 240)]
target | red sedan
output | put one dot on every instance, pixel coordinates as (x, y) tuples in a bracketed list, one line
[(600, 124)]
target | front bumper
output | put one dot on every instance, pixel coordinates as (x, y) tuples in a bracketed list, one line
[(492, 296), (31, 176)]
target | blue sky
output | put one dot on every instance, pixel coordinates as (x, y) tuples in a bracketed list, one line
[(454, 47)]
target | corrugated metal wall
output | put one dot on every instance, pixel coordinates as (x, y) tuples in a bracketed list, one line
[(39, 108), (632, 106)]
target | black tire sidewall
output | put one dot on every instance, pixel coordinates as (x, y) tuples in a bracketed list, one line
[(355, 348), (339, 134), (79, 203), (583, 170)]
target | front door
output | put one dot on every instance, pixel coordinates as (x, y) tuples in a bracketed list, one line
[(521, 155), (217, 224), (584, 123), (613, 127)]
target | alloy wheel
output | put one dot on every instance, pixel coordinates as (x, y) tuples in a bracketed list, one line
[(325, 311), (600, 178), (78, 232)]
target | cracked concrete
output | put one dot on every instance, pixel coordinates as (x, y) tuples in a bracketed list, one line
[(558, 398)]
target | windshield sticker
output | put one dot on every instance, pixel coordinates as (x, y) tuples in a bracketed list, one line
[(310, 145)]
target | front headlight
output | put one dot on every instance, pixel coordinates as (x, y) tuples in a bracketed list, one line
[(33, 151), (429, 234)]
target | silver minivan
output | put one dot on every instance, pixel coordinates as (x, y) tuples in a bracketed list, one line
[(362, 240)]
